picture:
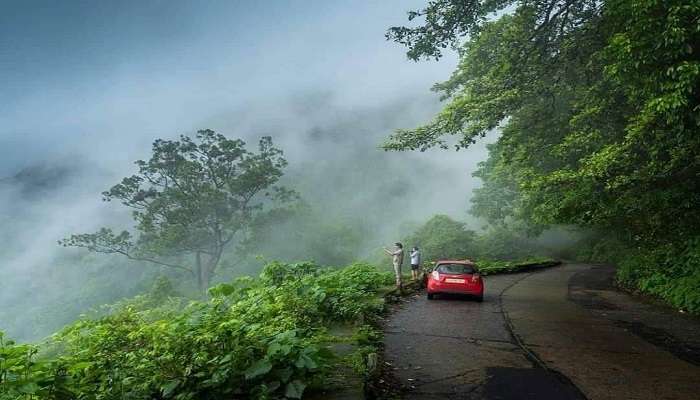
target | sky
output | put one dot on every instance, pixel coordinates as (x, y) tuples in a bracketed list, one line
[(111, 76)]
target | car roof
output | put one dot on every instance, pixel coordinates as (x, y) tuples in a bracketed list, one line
[(463, 262)]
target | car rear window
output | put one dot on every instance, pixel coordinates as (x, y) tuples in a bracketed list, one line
[(455, 269)]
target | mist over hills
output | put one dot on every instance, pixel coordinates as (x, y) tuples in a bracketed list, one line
[(44, 285), (357, 199)]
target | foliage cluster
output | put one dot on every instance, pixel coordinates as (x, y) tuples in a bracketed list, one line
[(669, 273), (260, 338), (597, 103), (442, 237)]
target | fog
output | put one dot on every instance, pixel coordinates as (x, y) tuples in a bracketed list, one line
[(91, 85)]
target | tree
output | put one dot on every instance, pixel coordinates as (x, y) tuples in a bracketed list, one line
[(192, 200), (597, 104), (443, 238), (446, 22)]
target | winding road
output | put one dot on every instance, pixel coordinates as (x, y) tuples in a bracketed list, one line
[(560, 333)]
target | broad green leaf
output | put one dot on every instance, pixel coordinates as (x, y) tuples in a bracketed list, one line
[(29, 388), (169, 388), (294, 389), (258, 368)]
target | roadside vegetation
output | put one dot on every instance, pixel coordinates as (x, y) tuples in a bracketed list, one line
[(442, 237), (666, 272), (264, 338), (597, 107), (494, 250)]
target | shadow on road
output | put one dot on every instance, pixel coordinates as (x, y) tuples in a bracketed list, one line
[(454, 297), (527, 383)]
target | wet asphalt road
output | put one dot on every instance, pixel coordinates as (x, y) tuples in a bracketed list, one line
[(457, 348), (532, 339)]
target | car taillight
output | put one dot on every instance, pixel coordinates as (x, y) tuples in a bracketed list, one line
[(476, 277), (436, 275)]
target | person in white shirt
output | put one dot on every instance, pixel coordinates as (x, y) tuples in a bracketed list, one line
[(397, 259), (415, 262)]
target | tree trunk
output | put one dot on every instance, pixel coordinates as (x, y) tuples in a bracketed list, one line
[(204, 279), (205, 270), (202, 272)]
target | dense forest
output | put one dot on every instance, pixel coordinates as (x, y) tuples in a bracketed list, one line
[(598, 105), (596, 109)]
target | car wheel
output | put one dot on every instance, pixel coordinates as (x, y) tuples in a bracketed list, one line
[(431, 296)]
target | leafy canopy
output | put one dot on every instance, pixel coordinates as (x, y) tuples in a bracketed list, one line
[(598, 106)]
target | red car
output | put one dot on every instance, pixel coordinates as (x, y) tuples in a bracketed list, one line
[(458, 277)]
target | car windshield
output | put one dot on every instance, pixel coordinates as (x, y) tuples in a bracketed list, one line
[(455, 269)]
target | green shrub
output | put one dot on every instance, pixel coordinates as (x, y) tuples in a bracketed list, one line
[(347, 291), (670, 273), (255, 338)]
